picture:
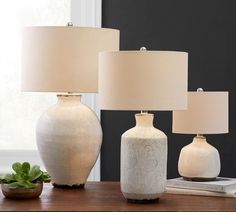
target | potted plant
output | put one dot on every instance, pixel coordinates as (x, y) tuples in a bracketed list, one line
[(26, 182)]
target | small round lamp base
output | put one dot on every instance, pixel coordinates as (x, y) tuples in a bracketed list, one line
[(199, 161)]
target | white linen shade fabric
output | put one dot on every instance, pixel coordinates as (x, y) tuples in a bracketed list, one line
[(207, 113), (143, 80), (64, 59)]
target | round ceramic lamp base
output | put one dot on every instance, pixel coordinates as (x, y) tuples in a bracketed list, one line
[(69, 138), (143, 161), (199, 161)]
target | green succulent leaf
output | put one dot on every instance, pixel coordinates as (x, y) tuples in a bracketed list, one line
[(45, 177), (27, 185), (9, 178), (15, 185), (2, 180), (17, 167), (25, 167), (35, 173)]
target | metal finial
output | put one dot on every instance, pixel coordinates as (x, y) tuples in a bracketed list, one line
[(70, 24), (143, 48), (200, 90)]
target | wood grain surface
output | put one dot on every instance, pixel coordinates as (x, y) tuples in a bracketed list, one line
[(106, 196)]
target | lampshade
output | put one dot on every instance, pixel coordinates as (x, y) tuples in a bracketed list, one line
[(143, 80), (207, 113), (64, 59)]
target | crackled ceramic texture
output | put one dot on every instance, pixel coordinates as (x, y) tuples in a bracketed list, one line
[(69, 138), (143, 160), (199, 159)]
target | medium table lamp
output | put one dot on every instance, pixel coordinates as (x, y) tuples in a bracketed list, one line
[(65, 60), (207, 113), (143, 80)]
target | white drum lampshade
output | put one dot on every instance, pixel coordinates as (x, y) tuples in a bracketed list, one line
[(207, 113), (143, 80), (65, 60)]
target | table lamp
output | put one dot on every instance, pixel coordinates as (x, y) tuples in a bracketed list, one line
[(207, 113), (65, 60), (143, 80)]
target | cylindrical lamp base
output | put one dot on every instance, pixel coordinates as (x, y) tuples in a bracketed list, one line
[(143, 161)]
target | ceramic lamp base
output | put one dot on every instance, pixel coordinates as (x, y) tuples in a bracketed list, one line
[(143, 161), (69, 138), (199, 161)]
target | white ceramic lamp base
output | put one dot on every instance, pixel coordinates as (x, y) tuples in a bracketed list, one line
[(199, 161), (69, 138), (143, 161)]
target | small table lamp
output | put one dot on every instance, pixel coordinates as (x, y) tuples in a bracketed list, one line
[(65, 60), (143, 80), (207, 113)]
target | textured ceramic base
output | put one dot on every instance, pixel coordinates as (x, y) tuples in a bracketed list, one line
[(75, 186), (144, 201), (20, 193), (143, 160), (141, 196), (199, 179), (69, 138), (199, 161)]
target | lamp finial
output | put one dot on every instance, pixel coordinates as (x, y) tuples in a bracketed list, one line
[(200, 90), (143, 48), (70, 24)]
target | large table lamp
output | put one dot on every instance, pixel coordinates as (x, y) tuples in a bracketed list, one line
[(207, 113), (65, 60), (143, 80)]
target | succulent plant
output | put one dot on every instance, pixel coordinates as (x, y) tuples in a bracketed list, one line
[(25, 176)]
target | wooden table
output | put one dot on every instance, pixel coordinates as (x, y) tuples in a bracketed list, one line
[(106, 196)]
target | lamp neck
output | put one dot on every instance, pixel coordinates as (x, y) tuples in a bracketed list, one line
[(69, 99), (144, 119), (199, 138)]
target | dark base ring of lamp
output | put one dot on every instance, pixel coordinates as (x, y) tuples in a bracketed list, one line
[(199, 179), (143, 161), (69, 138), (144, 201), (75, 186), (199, 161)]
